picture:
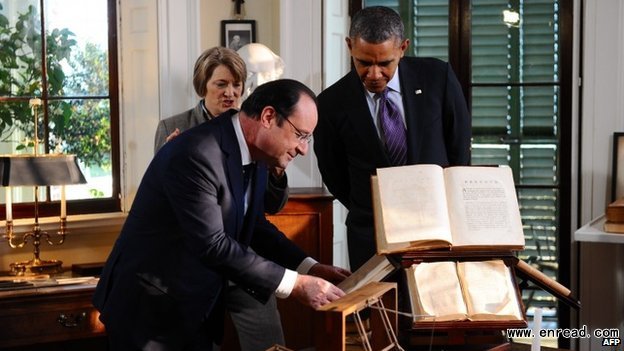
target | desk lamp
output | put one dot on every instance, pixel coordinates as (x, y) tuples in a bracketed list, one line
[(37, 170)]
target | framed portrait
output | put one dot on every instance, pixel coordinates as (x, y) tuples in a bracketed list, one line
[(236, 33), (617, 187)]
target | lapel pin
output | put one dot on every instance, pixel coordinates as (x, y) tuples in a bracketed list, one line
[(418, 91)]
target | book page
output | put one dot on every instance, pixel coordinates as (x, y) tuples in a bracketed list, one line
[(413, 203), (435, 292), (489, 291), (483, 207), (374, 270)]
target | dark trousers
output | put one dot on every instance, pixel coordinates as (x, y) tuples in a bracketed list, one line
[(124, 340)]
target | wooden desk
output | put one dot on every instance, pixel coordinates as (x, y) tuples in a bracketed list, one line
[(61, 317)]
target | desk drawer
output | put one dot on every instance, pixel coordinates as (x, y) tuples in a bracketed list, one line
[(38, 319)]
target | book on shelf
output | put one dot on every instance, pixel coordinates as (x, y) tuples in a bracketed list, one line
[(375, 269), (424, 207), (615, 211), (459, 291), (614, 227)]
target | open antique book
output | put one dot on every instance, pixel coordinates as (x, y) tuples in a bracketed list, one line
[(423, 207), (468, 290), (375, 269)]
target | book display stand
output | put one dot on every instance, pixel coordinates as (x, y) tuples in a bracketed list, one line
[(463, 334), (380, 298), (455, 231), (478, 334)]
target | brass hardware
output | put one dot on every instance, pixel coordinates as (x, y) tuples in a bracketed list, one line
[(71, 320)]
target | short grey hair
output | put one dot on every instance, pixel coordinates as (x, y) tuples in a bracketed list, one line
[(377, 24)]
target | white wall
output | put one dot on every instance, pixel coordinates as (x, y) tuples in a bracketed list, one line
[(336, 60), (300, 47), (601, 266), (264, 12), (178, 48)]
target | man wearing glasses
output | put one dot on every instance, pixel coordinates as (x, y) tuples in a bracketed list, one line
[(304, 138), (193, 220)]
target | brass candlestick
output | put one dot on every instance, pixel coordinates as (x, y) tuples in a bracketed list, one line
[(37, 170), (36, 265)]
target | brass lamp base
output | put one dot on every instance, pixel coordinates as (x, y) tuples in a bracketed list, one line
[(36, 266)]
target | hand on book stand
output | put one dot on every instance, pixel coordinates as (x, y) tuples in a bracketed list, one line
[(375, 295)]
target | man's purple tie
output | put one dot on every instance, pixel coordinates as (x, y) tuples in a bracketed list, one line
[(392, 130)]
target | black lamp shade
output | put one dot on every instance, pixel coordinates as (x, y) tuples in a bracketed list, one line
[(30, 170)]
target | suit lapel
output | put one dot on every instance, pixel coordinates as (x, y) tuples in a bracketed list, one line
[(198, 114), (256, 202), (233, 165), (362, 121), (413, 94)]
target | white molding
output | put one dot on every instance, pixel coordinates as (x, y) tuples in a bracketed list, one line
[(300, 41), (588, 88), (300, 48), (620, 86), (139, 81), (575, 150), (602, 77), (336, 59), (600, 265), (178, 32)]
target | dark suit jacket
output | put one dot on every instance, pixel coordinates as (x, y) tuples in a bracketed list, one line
[(348, 147), (185, 235), (277, 189)]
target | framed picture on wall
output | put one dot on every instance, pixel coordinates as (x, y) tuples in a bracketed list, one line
[(236, 33), (617, 185)]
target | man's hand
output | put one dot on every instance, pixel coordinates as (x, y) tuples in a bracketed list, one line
[(315, 292), (329, 273), (173, 134)]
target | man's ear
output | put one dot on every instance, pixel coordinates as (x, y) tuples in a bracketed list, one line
[(268, 115), (404, 45)]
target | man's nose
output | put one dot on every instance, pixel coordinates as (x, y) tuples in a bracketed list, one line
[(374, 72), (302, 148)]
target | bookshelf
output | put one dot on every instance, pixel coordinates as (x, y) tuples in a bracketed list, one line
[(592, 232)]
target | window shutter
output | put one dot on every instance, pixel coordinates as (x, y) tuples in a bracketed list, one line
[(430, 24), (515, 97)]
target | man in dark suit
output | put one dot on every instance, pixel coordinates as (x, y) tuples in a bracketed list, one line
[(350, 141), (192, 220)]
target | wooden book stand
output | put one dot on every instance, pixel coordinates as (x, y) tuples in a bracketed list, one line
[(381, 298), (478, 335)]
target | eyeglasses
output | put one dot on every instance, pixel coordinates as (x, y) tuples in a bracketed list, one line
[(301, 136)]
